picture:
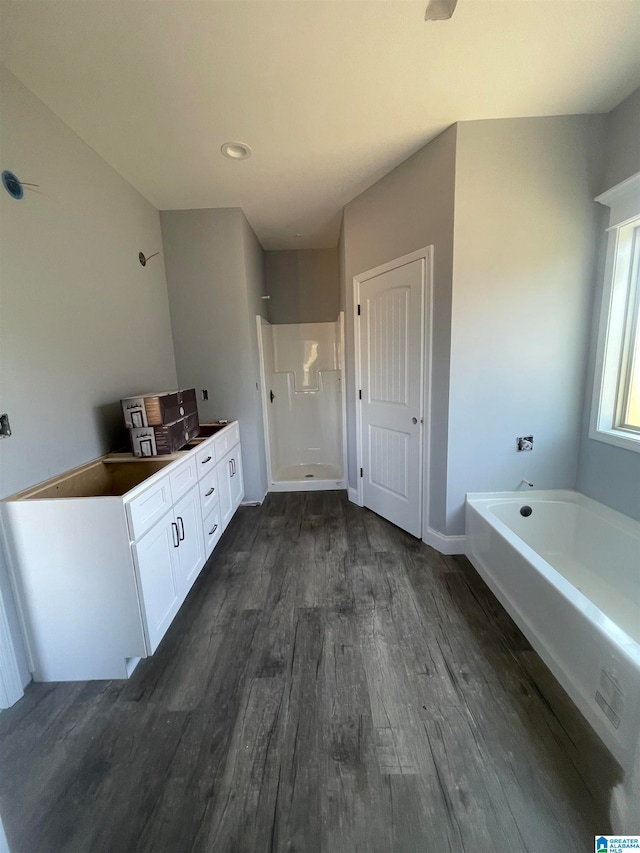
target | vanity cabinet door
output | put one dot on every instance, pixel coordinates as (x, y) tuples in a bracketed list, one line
[(223, 469), (155, 556), (236, 483), (190, 553)]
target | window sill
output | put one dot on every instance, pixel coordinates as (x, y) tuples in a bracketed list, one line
[(617, 437)]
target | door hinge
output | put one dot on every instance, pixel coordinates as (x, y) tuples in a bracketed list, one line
[(358, 310), (361, 474), (360, 394)]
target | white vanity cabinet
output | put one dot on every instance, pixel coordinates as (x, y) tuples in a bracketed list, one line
[(102, 557)]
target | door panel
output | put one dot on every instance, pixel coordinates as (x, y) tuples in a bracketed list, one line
[(155, 558), (391, 356), (190, 554)]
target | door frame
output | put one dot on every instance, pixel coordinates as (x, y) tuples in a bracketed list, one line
[(425, 254), (264, 397)]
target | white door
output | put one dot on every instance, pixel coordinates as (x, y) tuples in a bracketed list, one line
[(190, 552), (391, 366), (156, 561)]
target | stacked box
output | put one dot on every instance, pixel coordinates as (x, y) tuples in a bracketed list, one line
[(160, 440), (165, 407), (161, 423)]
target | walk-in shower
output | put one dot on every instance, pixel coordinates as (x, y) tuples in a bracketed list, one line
[(303, 404)]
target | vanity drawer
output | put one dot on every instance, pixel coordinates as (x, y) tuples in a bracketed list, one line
[(145, 509), (212, 529), (205, 459), (183, 478), (226, 439), (208, 491)]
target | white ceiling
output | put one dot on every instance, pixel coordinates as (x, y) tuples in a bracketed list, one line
[(330, 94)]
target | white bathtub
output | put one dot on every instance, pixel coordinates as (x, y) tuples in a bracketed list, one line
[(569, 576)]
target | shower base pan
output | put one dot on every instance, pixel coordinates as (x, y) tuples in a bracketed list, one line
[(308, 478)]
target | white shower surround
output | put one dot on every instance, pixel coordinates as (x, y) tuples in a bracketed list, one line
[(305, 425)]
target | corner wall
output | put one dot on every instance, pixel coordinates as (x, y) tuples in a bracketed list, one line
[(215, 278), (303, 286), (410, 208), (525, 231)]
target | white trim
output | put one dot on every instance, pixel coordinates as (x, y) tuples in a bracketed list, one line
[(11, 687), (263, 393), (255, 503), (624, 203), (425, 254), (448, 545), (622, 200), (308, 485), (354, 496), (10, 682), (357, 371), (343, 392)]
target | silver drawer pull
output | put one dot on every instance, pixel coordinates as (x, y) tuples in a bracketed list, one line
[(211, 532), (204, 461), (210, 492)]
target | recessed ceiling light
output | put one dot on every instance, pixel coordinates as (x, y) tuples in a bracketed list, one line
[(236, 150)]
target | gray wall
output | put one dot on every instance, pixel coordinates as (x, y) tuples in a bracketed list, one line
[(622, 155), (525, 226), (410, 208), (304, 286), (215, 278), (81, 322), (606, 473)]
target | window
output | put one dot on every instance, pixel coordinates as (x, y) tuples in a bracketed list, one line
[(616, 399)]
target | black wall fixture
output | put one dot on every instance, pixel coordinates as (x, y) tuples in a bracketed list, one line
[(13, 185), (143, 260)]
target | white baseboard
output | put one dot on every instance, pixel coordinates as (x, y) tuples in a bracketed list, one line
[(255, 503), (354, 497), (448, 545)]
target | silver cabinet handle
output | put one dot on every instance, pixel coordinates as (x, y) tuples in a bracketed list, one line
[(231, 467), (211, 532), (210, 492), (176, 538), (181, 522), (204, 461)]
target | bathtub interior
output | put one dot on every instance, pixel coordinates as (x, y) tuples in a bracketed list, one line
[(597, 555)]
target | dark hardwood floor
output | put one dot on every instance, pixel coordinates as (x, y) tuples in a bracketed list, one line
[(331, 684)]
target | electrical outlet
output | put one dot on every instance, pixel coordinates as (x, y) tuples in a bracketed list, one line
[(524, 442), (205, 394), (5, 428)]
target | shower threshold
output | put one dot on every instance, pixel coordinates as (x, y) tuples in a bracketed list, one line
[(302, 478)]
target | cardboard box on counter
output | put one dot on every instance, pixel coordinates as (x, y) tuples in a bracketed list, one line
[(164, 439), (160, 409)]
